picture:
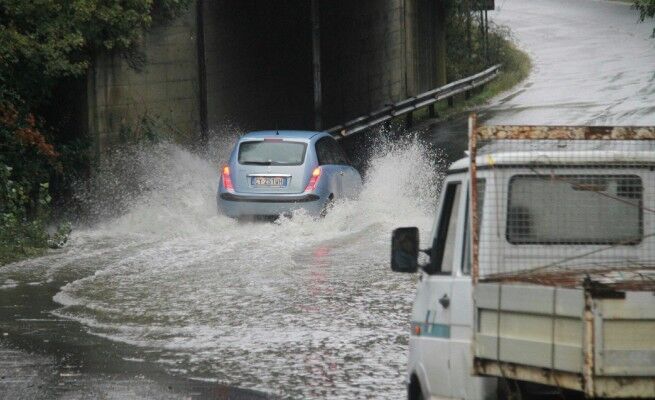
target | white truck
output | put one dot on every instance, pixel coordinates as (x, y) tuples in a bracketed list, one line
[(541, 272)]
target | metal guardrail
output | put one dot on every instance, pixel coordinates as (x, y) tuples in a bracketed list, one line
[(414, 103)]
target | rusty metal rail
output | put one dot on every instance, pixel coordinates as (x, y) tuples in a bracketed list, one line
[(408, 106), (640, 277)]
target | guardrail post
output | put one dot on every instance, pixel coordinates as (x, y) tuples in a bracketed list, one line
[(451, 102), (409, 119), (467, 94), (431, 112)]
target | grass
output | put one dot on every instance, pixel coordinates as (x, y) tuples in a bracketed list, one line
[(515, 68)]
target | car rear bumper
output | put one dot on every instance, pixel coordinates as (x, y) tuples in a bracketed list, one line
[(241, 205), (269, 199)]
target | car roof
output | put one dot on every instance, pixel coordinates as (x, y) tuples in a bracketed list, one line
[(282, 134)]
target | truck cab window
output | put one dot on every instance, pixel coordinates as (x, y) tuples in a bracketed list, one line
[(575, 210), (443, 247)]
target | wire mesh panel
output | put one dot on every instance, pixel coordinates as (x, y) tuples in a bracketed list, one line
[(562, 204)]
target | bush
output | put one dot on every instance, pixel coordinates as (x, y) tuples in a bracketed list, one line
[(27, 163), (471, 44), (646, 9), (18, 229), (42, 43)]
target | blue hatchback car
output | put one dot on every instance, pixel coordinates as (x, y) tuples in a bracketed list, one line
[(275, 172)]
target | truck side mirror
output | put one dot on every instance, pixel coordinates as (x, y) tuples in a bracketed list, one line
[(404, 250)]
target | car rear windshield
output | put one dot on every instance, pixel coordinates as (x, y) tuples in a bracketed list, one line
[(575, 209), (272, 152)]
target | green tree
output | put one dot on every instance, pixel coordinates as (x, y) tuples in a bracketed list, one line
[(42, 41), (646, 9)]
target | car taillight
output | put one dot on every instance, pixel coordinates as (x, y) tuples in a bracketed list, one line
[(227, 180), (316, 174)]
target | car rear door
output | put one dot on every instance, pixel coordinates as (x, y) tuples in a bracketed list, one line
[(327, 154), (348, 177), (352, 181)]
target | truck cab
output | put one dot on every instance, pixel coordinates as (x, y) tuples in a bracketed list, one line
[(442, 315), (535, 208)]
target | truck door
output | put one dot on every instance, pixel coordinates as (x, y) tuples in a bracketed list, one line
[(435, 294), (464, 385), (461, 309)]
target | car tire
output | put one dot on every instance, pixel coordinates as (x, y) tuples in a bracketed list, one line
[(329, 204)]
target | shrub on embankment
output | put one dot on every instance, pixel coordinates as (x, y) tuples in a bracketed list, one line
[(26, 160), (516, 65), (646, 10), (45, 44), (474, 44)]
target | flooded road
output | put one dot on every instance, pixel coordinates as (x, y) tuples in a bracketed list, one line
[(298, 308), (593, 64)]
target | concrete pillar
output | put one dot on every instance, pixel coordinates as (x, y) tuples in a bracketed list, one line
[(440, 43), (316, 62), (410, 47), (202, 70)]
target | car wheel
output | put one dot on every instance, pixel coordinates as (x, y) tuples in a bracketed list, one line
[(329, 204)]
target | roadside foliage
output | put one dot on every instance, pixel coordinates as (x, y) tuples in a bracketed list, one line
[(45, 44)]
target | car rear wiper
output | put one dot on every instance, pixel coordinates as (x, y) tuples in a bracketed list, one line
[(257, 162)]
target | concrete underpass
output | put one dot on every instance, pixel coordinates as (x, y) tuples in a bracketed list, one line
[(249, 65)]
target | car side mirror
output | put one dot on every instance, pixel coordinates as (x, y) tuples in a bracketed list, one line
[(404, 250)]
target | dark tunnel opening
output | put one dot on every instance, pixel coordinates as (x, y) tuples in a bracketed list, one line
[(259, 64)]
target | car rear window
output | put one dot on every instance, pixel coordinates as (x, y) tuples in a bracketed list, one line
[(575, 209), (272, 152)]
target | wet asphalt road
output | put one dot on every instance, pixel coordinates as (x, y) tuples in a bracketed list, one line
[(171, 301), (593, 64)]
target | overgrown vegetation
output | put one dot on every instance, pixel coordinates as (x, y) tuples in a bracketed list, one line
[(473, 44), (43, 43), (27, 162), (646, 9)]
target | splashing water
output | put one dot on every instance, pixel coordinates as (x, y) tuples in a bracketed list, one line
[(300, 307)]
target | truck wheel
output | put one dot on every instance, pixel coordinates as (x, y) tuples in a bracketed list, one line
[(509, 389), (414, 391)]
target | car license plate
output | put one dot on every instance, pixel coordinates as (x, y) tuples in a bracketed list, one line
[(269, 181)]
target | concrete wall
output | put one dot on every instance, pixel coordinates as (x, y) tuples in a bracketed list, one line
[(166, 90), (362, 56)]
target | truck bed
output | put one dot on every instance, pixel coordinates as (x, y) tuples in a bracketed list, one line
[(586, 329)]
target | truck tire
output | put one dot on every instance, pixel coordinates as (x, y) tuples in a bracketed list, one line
[(414, 391), (509, 389)]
